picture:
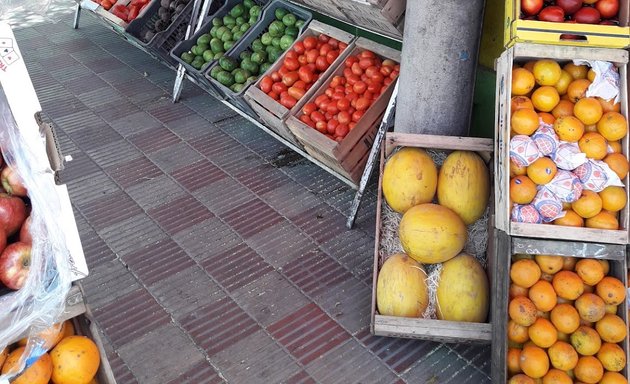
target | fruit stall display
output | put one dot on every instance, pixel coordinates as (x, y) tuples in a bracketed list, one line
[(215, 38), (562, 144), (297, 75), (337, 124), (430, 280), (279, 27), (158, 18), (561, 313)]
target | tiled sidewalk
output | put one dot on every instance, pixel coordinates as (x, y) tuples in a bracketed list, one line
[(216, 254)]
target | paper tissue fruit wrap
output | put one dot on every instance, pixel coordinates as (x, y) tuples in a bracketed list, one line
[(523, 150)]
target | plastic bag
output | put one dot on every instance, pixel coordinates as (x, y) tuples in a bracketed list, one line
[(40, 302)]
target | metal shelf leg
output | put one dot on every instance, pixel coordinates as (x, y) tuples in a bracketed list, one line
[(77, 16)]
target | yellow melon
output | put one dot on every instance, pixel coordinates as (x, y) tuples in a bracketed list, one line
[(464, 185), (431, 233), (462, 293), (409, 178), (401, 289)]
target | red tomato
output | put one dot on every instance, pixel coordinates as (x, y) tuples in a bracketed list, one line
[(319, 99), (383, 89), (284, 94), (342, 46), (317, 116), (288, 101), (347, 72), (389, 63), (351, 110), (342, 130), (552, 13), (388, 80), (607, 8), (283, 71), (332, 124), (309, 108), (333, 43), (299, 48), (352, 96), (344, 117), (340, 88), (351, 60), (371, 71), (302, 60), (343, 104), (290, 78), (321, 64), (323, 38), (133, 13), (279, 87), (328, 116), (265, 84), (374, 87), (332, 108), (311, 55), (587, 15), (367, 54), (324, 49), (321, 126), (397, 67), (366, 63), (531, 7), (356, 69), (311, 67), (386, 70), (307, 120), (359, 87), (362, 103), (337, 80), (310, 42), (364, 77), (291, 64), (338, 96), (352, 125), (569, 6), (368, 95), (296, 93), (356, 116), (308, 86), (377, 78), (332, 56), (394, 75), (106, 4), (305, 74), (299, 84), (292, 55), (352, 79), (329, 92), (274, 95)]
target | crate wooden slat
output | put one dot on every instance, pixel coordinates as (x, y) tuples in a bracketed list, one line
[(506, 246), (358, 143), (274, 114), (522, 53), (419, 328)]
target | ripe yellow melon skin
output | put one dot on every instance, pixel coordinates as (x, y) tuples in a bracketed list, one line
[(409, 178), (464, 185), (431, 233), (401, 288), (463, 292)]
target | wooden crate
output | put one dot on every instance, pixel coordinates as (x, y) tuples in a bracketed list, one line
[(274, 114), (505, 247), (349, 156), (521, 53), (84, 325), (419, 328)]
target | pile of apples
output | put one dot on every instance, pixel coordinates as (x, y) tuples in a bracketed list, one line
[(572, 11)]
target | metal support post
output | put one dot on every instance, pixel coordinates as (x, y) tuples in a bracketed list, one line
[(77, 16)]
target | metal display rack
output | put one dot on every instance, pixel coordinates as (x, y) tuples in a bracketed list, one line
[(180, 71)]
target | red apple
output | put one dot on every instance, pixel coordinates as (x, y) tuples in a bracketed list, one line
[(15, 263), (12, 183), (607, 8), (12, 213), (608, 22), (531, 7), (25, 231), (587, 15), (569, 6), (552, 13)]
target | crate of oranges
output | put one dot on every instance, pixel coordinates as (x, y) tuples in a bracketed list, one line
[(562, 145), (560, 314)]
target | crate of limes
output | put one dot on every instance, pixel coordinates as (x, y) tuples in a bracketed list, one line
[(280, 25), (217, 36)]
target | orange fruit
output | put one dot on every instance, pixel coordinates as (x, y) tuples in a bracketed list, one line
[(608, 106), (588, 110), (530, 65), (542, 333), (517, 170), (588, 370), (618, 163), (522, 190), (590, 128), (525, 272), (569, 128), (590, 307), (588, 205), (76, 360), (591, 74), (543, 296), (522, 311), (562, 355), (542, 170), (586, 340), (534, 362), (603, 220), (612, 357), (522, 81), (524, 121), (613, 378), (3, 355), (517, 333), (613, 126), (569, 263), (563, 83), (545, 98), (611, 309), (521, 379), (568, 285), (576, 71), (566, 206), (563, 337), (589, 288), (563, 108), (577, 89), (611, 328), (570, 219), (556, 376), (547, 72), (517, 290), (513, 357), (38, 373), (594, 145), (549, 264), (519, 102), (547, 117), (616, 147), (613, 198), (590, 270), (565, 318)]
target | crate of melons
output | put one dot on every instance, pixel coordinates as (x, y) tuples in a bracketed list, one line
[(433, 211), (297, 75), (562, 143), (560, 313)]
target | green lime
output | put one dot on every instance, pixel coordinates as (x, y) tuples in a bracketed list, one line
[(248, 3), (217, 22), (291, 31), (276, 42), (229, 21), (264, 67), (225, 78), (221, 30), (245, 55), (266, 38), (204, 39), (276, 28), (208, 56), (280, 12), (299, 24), (285, 42), (257, 45), (227, 45), (259, 57), (289, 19), (240, 20), (188, 57), (214, 71), (227, 36), (245, 27), (218, 55), (255, 11), (237, 11)]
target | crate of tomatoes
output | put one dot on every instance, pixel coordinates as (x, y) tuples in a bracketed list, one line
[(338, 123), (297, 75)]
